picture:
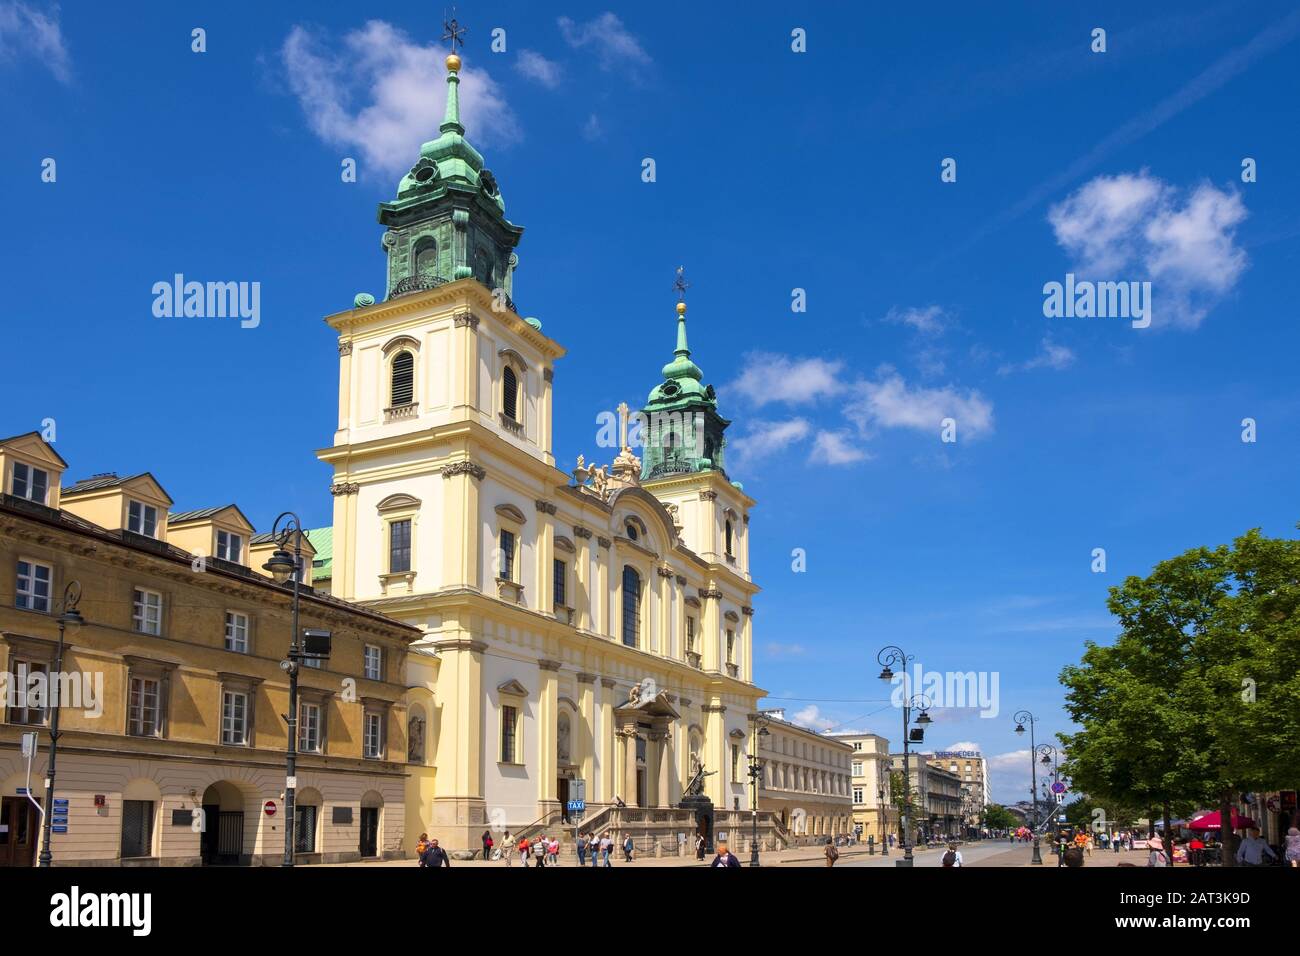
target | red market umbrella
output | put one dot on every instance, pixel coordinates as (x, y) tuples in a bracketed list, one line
[(1210, 821)]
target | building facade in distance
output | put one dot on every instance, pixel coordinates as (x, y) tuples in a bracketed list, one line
[(874, 813), (805, 778)]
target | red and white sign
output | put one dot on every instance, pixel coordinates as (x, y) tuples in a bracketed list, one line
[(269, 808)]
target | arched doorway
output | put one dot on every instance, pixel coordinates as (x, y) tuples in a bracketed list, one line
[(306, 821), (372, 806), (221, 842)]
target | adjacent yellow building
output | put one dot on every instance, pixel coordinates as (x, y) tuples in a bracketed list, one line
[(172, 734)]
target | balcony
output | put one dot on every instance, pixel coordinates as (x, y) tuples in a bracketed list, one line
[(400, 412)]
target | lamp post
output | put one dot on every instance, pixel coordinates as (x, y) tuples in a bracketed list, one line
[(892, 654), (69, 619), (1021, 718), (885, 768), (284, 566), (755, 772), (1048, 756)]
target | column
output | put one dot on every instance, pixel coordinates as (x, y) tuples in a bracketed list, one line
[(710, 629), (715, 744), (463, 525), (628, 732), (607, 739), (548, 712), (662, 643), (663, 766), (584, 599), (345, 385), (543, 586), (586, 737), (601, 603), (459, 807)]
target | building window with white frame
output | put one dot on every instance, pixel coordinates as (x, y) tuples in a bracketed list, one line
[(230, 546), (374, 735), (399, 546), (234, 718), (146, 613), (403, 379), (33, 586), (30, 483), (309, 726), (142, 519), (509, 733), (857, 795), (237, 632), (144, 707), (28, 702), (374, 662), (507, 555)]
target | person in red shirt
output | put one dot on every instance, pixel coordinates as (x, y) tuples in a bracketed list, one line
[(1196, 850)]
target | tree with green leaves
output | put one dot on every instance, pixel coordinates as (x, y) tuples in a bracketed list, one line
[(998, 817), (1196, 699)]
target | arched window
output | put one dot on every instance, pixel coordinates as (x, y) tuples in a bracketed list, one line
[(631, 607), (729, 552), (426, 257), (403, 385), (510, 393)]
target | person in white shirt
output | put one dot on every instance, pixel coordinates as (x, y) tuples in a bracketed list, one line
[(952, 857), (1253, 849)]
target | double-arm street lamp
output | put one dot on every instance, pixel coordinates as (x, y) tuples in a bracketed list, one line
[(755, 774), (69, 619), (1049, 756), (284, 567), (1021, 718), (884, 769), (889, 655)]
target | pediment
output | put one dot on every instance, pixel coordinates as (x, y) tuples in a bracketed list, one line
[(511, 512), (512, 687), (32, 447), (146, 487), (398, 501)]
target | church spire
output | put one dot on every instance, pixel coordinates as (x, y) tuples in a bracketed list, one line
[(451, 119), (682, 366)]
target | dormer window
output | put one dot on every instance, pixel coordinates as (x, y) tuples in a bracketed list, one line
[(402, 391), (510, 394), (30, 483), (142, 519), (230, 547)]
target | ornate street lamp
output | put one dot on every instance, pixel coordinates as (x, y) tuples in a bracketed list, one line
[(755, 773), (1021, 718), (72, 620), (285, 567), (889, 656)]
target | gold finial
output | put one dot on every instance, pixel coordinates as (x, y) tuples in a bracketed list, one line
[(681, 308), (453, 63)]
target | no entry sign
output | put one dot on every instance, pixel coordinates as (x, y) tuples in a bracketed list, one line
[(269, 808)]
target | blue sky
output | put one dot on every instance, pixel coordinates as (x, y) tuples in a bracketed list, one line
[(775, 171)]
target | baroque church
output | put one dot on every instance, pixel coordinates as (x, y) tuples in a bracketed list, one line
[(587, 636)]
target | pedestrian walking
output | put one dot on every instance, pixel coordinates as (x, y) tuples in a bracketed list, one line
[(606, 848), (524, 847), (434, 857), (581, 845), (725, 857), (593, 847), (628, 847), (487, 844), (952, 857), (832, 854), (1156, 855), (421, 846), (1293, 847), (699, 846), (553, 851), (539, 852), (1253, 850)]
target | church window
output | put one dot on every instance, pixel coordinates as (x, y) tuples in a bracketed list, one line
[(399, 546), (507, 555), (403, 384), (690, 634), (561, 580), (509, 733), (731, 646), (730, 554), (631, 607), (510, 393), (426, 257), (631, 531)]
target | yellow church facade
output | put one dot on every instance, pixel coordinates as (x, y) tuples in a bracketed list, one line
[(586, 636)]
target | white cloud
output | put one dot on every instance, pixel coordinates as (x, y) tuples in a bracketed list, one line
[(811, 716), (929, 320), (610, 41), (26, 31), (777, 378), (837, 448), (537, 67), (767, 438), (1132, 227), (965, 745), (593, 129), (889, 402), (384, 95), (1050, 355)]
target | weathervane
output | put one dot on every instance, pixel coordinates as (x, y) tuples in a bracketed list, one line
[(454, 31), (680, 284)]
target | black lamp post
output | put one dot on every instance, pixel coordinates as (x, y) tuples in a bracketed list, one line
[(1048, 756), (892, 654), (70, 619), (1021, 718), (284, 566), (755, 773), (886, 768)]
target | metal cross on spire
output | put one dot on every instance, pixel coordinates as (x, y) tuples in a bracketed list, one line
[(680, 284), (454, 31)]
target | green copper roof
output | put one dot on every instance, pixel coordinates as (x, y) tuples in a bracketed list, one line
[(322, 539), (682, 377)]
